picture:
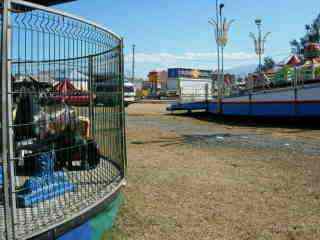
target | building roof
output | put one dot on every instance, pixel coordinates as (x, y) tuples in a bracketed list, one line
[(291, 60)]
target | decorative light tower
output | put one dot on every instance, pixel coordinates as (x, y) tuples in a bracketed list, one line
[(259, 43), (221, 26)]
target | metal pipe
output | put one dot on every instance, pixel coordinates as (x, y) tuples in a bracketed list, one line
[(123, 122), (64, 14), (7, 131), (91, 93)]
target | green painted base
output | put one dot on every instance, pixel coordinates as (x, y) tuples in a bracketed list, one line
[(95, 228)]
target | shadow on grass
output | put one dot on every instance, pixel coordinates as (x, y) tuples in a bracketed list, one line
[(259, 122), (164, 142), (192, 139)]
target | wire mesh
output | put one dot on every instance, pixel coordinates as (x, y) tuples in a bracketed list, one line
[(67, 119)]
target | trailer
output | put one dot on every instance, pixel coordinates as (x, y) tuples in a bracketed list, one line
[(189, 84)]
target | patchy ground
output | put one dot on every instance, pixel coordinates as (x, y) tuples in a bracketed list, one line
[(196, 178)]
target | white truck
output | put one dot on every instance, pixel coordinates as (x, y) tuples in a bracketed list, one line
[(129, 93), (105, 90)]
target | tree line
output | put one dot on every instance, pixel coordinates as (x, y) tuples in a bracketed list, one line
[(312, 35)]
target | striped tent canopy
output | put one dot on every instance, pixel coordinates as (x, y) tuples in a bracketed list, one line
[(64, 87)]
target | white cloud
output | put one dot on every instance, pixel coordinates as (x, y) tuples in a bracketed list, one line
[(168, 58), (199, 60)]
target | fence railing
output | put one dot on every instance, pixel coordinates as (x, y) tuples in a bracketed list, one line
[(63, 126)]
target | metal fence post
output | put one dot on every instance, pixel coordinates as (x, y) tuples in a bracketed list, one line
[(7, 131), (251, 87), (207, 96), (123, 119), (295, 84), (91, 92), (207, 92)]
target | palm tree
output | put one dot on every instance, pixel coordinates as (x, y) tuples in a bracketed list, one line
[(312, 35), (296, 47), (315, 32)]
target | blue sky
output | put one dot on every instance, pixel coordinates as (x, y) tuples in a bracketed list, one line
[(176, 33)]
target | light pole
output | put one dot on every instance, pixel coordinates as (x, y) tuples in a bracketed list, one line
[(133, 61), (222, 27), (223, 44), (259, 42), (218, 46), (258, 22)]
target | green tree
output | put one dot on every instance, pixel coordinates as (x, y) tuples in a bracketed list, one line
[(268, 63), (312, 35), (296, 47)]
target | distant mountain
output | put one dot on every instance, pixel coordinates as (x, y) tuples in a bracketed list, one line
[(242, 70)]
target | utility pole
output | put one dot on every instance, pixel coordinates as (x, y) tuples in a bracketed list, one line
[(133, 61)]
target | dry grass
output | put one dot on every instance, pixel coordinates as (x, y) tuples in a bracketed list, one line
[(182, 191)]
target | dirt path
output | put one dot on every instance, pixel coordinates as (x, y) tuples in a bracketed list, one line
[(194, 179)]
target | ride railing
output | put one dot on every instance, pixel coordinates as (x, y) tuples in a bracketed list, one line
[(288, 79), (63, 135)]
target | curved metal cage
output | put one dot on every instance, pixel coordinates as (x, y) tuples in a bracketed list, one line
[(63, 133)]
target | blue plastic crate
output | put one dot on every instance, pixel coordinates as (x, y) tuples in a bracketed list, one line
[(45, 192)]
